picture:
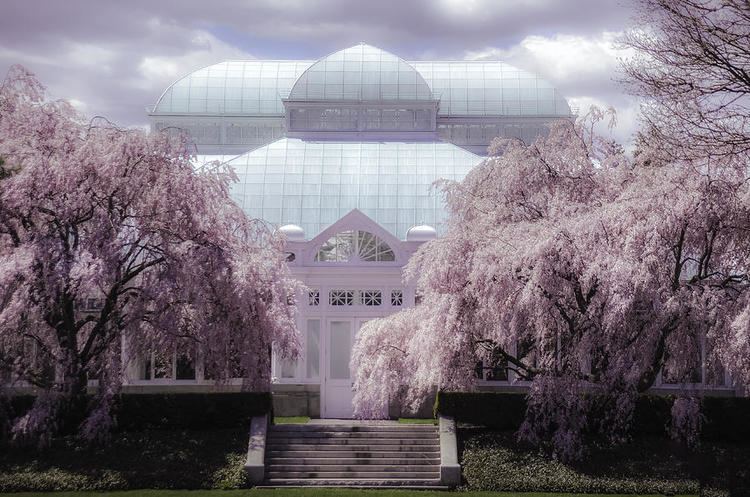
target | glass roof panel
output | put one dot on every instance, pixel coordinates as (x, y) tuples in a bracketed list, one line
[(362, 72), (263, 84), (496, 82), (389, 181)]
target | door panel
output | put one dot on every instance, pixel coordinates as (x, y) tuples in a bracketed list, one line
[(340, 345), (337, 382)]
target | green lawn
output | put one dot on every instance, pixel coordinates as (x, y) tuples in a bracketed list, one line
[(311, 492), (417, 421), (290, 420)]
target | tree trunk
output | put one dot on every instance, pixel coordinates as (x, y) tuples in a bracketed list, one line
[(72, 387)]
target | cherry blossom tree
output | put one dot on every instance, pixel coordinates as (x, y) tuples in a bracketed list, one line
[(89, 211), (580, 271), (690, 62)]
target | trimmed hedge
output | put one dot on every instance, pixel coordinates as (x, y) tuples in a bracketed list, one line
[(190, 411), (180, 411), (725, 418), (499, 411)]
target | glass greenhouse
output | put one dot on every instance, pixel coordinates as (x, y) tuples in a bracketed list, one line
[(312, 184), (340, 156)]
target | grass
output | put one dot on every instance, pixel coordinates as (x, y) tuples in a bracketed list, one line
[(291, 420), (313, 492), (417, 421)]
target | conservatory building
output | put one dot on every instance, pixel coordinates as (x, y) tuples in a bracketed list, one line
[(340, 155)]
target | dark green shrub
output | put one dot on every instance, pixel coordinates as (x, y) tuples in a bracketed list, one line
[(495, 461), (177, 459), (179, 411), (652, 415), (725, 418), (189, 411), (11, 408), (499, 411)]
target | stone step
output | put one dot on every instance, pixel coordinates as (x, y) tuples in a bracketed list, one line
[(352, 441), (434, 459), (351, 467), (432, 484), (354, 429), (371, 475), (285, 435), (353, 447), (357, 451), (353, 455)]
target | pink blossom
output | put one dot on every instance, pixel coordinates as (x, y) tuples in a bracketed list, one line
[(580, 270), (89, 210)]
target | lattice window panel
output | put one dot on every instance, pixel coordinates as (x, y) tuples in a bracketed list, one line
[(371, 297), (341, 297), (313, 298), (397, 298)]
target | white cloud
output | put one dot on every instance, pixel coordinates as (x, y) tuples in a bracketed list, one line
[(627, 116), (118, 78), (157, 71), (583, 68), (88, 55), (78, 105), (562, 58)]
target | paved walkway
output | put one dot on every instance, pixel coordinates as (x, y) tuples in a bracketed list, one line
[(353, 422)]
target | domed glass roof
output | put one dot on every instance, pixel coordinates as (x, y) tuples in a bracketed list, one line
[(361, 73), (465, 88), (244, 87), (490, 88), (312, 184)]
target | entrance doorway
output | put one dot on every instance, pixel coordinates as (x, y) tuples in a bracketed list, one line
[(336, 390)]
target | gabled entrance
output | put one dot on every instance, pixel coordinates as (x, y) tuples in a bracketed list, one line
[(353, 274)]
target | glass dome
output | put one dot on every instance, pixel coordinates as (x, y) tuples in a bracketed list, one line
[(243, 87), (464, 88), (312, 184), (293, 233), (421, 233), (491, 88), (361, 73)]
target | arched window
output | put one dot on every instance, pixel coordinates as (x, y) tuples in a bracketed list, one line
[(355, 245)]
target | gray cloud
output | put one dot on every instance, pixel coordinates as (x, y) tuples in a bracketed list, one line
[(114, 58)]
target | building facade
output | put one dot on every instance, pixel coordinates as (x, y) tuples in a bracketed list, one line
[(340, 154)]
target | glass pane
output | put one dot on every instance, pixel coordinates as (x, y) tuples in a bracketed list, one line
[(162, 365), (146, 368), (288, 368), (313, 348), (340, 348), (380, 179), (185, 369)]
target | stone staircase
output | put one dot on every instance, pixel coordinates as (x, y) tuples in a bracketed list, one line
[(353, 454)]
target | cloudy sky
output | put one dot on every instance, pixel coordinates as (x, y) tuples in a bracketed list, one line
[(114, 58)]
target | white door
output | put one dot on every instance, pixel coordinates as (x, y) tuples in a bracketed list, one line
[(337, 379)]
